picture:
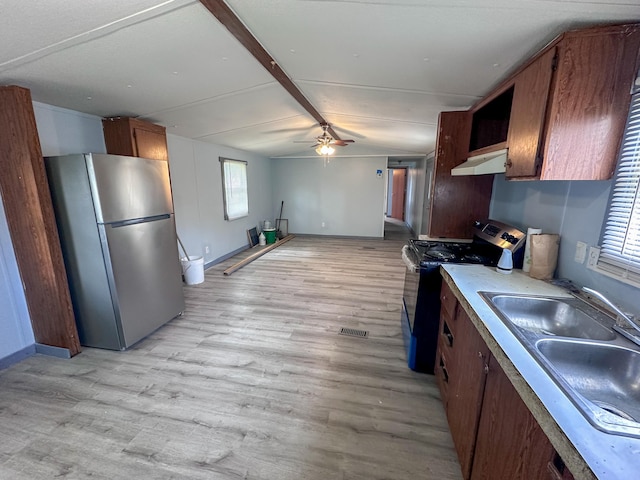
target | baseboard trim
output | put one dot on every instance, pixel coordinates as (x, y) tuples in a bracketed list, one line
[(353, 237), (225, 257), (17, 357), (52, 351)]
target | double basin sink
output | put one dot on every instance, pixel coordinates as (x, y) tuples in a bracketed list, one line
[(596, 368)]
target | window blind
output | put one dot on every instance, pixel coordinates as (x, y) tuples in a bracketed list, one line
[(620, 245), (234, 188)]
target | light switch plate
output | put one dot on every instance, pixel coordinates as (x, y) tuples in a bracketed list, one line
[(581, 252)]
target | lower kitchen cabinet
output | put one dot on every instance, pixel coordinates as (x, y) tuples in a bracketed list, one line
[(510, 443), (495, 434), (462, 358)]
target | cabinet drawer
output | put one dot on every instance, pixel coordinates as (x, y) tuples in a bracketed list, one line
[(448, 306)]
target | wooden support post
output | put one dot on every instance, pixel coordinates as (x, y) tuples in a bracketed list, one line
[(29, 211)]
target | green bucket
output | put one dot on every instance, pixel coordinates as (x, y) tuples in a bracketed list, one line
[(270, 235)]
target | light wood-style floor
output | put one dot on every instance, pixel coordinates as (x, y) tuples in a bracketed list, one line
[(252, 382)]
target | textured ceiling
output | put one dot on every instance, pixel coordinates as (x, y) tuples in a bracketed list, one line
[(378, 71)]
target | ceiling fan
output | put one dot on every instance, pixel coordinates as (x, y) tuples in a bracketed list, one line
[(325, 142)]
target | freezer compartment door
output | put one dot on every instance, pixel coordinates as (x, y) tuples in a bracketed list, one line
[(145, 274), (128, 187)]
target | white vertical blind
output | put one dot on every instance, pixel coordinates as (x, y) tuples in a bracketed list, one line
[(234, 188), (620, 249)]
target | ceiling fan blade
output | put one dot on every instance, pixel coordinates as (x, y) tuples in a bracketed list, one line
[(351, 133), (342, 143), (292, 130)]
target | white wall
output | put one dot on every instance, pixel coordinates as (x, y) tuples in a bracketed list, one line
[(196, 182), (343, 192), (61, 131), (428, 191), (389, 193), (415, 195), (64, 131)]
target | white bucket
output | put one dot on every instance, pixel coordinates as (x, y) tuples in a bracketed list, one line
[(193, 269)]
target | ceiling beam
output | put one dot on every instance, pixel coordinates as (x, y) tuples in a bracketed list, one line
[(228, 18)]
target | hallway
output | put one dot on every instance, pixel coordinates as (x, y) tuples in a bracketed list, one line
[(396, 230)]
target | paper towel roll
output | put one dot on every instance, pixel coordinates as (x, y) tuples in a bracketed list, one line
[(526, 265)]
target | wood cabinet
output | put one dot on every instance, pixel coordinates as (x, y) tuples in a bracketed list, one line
[(568, 107), (494, 433), (135, 138), (455, 202), (526, 122), (590, 99), (510, 443), (32, 225), (462, 358)]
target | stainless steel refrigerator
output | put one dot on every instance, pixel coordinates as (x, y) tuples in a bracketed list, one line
[(117, 230)]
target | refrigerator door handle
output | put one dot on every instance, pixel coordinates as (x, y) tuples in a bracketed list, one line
[(136, 221)]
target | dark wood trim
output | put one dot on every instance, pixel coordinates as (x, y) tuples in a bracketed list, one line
[(228, 18), (34, 234)]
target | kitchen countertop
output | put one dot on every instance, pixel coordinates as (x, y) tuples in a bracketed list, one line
[(587, 452)]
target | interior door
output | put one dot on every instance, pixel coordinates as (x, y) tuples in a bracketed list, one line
[(398, 193)]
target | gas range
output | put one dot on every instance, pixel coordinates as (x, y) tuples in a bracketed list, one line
[(433, 253), (421, 299), (490, 237)]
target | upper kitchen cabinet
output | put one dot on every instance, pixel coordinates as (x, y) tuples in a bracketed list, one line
[(135, 138), (589, 104), (562, 114), (456, 202), (527, 116)]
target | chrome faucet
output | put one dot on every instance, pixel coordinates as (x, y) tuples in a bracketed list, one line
[(621, 315)]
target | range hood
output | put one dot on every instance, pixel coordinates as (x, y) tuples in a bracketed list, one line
[(487, 163)]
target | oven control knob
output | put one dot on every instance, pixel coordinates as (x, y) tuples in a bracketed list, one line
[(505, 236)]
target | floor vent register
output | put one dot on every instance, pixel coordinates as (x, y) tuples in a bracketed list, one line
[(351, 332)]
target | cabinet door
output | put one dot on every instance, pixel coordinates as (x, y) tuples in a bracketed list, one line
[(527, 119), (590, 103), (466, 385), (510, 443), (456, 201), (150, 144), (135, 138)]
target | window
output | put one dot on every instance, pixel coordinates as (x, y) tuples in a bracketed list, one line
[(620, 245), (234, 188)]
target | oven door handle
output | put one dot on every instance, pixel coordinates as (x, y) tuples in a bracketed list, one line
[(407, 258)]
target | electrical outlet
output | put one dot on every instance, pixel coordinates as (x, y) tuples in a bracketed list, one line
[(581, 252), (207, 250), (323, 225)]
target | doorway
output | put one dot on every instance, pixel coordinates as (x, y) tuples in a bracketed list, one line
[(396, 193)]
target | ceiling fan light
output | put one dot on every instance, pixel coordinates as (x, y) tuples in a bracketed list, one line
[(325, 150)]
